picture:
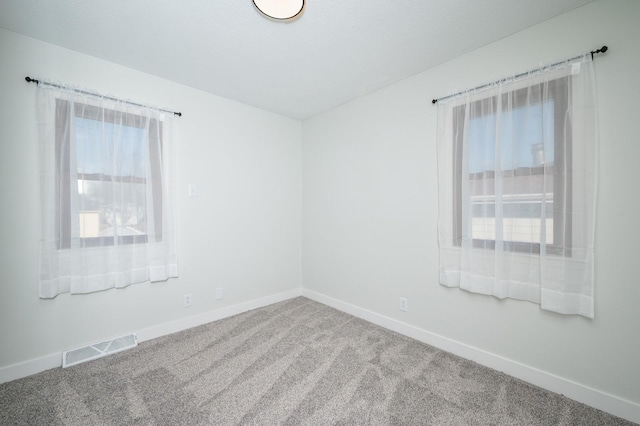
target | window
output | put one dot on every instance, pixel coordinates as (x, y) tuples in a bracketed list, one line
[(111, 158), (532, 166), (517, 172), (107, 191)]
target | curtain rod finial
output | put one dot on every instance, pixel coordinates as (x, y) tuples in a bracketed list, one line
[(601, 50)]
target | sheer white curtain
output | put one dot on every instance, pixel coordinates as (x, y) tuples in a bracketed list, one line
[(517, 169), (107, 193)]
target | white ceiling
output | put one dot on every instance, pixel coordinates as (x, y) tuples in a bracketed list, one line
[(336, 51)]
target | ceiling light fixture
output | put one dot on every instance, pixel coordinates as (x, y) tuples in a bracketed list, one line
[(280, 10)]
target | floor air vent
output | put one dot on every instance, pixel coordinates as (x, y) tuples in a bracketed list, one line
[(98, 350)]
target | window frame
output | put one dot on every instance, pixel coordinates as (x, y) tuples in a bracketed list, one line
[(560, 91), (63, 117)]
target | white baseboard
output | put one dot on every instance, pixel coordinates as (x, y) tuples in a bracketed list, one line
[(32, 366), (47, 362), (207, 317), (603, 401)]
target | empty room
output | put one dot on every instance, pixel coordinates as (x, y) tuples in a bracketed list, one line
[(309, 212)]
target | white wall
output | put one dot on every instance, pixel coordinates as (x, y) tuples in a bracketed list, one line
[(370, 207), (242, 233)]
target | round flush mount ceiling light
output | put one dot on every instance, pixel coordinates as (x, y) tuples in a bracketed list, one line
[(281, 10)]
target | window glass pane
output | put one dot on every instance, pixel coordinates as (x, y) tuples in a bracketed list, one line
[(526, 138), (111, 164), (104, 148), (521, 219), (109, 209), (527, 144)]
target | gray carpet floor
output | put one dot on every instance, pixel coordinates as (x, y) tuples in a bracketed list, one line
[(296, 362)]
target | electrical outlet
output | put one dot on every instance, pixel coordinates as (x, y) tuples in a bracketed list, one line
[(187, 300), (404, 304), (193, 190), (219, 293)]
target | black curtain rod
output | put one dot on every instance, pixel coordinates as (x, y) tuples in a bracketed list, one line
[(84, 92), (593, 52)]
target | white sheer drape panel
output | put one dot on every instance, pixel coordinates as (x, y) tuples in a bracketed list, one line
[(107, 185), (517, 174)]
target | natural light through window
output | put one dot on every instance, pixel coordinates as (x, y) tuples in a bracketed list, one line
[(99, 214), (526, 138)]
